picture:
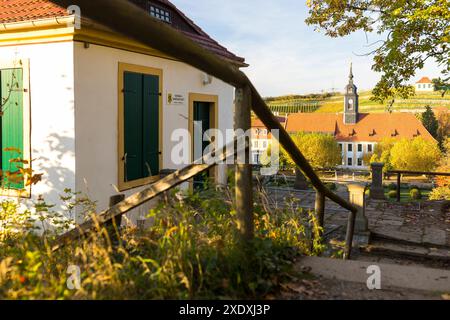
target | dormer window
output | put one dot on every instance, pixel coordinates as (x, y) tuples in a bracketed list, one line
[(160, 14)]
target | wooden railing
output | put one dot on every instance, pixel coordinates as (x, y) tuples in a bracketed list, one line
[(399, 174), (133, 22)]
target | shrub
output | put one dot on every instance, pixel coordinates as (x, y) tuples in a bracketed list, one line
[(415, 194), (440, 193), (392, 194), (331, 186), (413, 186), (392, 186)]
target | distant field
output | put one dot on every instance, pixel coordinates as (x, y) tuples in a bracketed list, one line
[(331, 104)]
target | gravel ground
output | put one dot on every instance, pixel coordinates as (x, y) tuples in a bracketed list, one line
[(327, 289)]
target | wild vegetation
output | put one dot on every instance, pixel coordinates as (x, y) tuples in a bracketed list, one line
[(191, 250), (442, 190)]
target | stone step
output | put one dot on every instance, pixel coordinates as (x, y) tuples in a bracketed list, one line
[(392, 276), (398, 249), (402, 238)]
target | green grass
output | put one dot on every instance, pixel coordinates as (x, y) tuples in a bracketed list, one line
[(404, 195)]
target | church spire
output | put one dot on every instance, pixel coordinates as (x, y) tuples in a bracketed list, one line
[(351, 100), (350, 77)]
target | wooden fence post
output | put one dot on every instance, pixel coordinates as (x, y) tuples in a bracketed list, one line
[(244, 189), (113, 226), (320, 208)]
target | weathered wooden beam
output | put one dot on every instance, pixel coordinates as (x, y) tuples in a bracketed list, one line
[(320, 208), (159, 187), (243, 171)]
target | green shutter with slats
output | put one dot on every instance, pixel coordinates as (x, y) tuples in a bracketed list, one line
[(151, 126), (141, 125), (133, 125), (11, 124)]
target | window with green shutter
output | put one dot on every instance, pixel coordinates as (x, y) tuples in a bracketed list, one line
[(12, 129), (141, 128)]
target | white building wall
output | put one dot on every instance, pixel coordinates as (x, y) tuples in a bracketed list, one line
[(96, 112), (424, 87), (52, 116), (355, 154)]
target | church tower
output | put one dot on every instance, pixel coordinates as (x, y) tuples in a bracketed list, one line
[(351, 101)]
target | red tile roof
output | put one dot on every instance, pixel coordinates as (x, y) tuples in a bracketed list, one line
[(25, 10), (256, 123), (371, 127), (424, 80)]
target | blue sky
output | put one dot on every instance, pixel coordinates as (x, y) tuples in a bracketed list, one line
[(285, 55)]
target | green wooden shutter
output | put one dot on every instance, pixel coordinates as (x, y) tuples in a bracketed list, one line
[(141, 121), (151, 126), (133, 126), (11, 123)]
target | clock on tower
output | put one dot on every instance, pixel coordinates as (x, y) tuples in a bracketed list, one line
[(351, 101)]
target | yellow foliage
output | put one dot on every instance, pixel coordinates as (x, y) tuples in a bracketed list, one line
[(415, 154)]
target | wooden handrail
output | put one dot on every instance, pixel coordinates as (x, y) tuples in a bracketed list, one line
[(445, 174), (126, 18), (168, 182)]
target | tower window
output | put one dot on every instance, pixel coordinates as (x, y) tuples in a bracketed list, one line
[(160, 14)]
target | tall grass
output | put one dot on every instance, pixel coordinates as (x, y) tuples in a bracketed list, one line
[(191, 250)]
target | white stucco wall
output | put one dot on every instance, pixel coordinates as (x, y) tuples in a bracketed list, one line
[(96, 112), (52, 115)]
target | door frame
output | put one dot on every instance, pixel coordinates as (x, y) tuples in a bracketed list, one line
[(214, 122), (124, 67)]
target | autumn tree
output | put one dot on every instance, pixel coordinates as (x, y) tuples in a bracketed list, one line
[(321, 150), (382, 153), (442, 190), (415, 154), (430, 122), (411, 32), (443, 131)]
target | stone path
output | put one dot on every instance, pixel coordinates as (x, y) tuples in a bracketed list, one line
[(415, 223)]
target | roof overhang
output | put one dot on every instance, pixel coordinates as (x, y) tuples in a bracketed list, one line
[(58, 29)]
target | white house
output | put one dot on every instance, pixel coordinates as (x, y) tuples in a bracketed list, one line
[(424, 85), (94, 111)]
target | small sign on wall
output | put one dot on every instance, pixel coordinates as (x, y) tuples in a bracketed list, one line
[(175, 99)]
